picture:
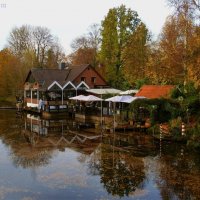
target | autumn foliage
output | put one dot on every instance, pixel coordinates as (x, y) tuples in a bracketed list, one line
[(10, 73), (121, 49)]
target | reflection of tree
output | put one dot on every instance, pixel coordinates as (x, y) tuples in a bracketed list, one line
[(120, 173), (29, 157), (180, 176), (28, 149), (94, 161)]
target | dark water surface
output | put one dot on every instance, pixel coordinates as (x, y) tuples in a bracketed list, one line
[(57, 159)]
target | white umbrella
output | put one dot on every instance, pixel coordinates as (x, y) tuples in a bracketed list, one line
[(124, 99), (91, 98), (86, 98), (79, 97)]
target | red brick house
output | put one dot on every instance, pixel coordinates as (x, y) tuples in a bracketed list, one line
[(155, 91), (57, 85)]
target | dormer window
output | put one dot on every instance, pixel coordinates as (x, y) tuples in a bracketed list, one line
[(83, 79), (93, 79)]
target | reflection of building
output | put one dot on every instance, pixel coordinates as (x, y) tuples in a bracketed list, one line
[(39, 139), (55, 86), (58, 133), (42, 127)]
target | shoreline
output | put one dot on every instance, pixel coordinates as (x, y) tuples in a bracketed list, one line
[(7, 107)]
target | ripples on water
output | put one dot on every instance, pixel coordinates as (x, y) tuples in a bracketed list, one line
[(56, 159)]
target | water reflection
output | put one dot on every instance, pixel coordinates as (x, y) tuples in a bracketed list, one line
[(179, 174), (120, 173), (70, 158), (40, 138)]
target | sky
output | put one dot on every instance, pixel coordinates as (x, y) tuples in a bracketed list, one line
[(68, 19)]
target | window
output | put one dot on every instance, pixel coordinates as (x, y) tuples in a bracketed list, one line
[(93, 79), (83, 79), (28, 93), (34, 94)]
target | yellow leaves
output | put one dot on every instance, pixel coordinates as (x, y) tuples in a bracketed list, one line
[(9, 71)]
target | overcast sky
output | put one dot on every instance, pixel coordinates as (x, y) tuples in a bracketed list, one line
[(68, 19)]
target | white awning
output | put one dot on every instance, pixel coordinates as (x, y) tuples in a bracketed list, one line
[(104, 91), (129, 92)]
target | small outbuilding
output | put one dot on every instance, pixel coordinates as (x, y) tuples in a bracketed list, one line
[(155, 91)]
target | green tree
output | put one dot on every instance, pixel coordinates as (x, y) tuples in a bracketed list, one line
[(117, 27), (135, 54)]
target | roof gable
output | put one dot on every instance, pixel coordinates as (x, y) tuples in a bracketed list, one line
[(155, 91), (56, 85)]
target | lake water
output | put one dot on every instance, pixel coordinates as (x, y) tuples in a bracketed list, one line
[(57, 159)]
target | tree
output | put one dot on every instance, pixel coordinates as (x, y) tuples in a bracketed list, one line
[(117, 27), (19, 40), (94, 36), (175, 58), (54, 55), (82, 56), (135, 54), (191, 7), (34, 44), (155, 67), (194, 64), (28, 47), (185, 12), (10, 76), (85, 48), (172, 45), (42, 40)]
